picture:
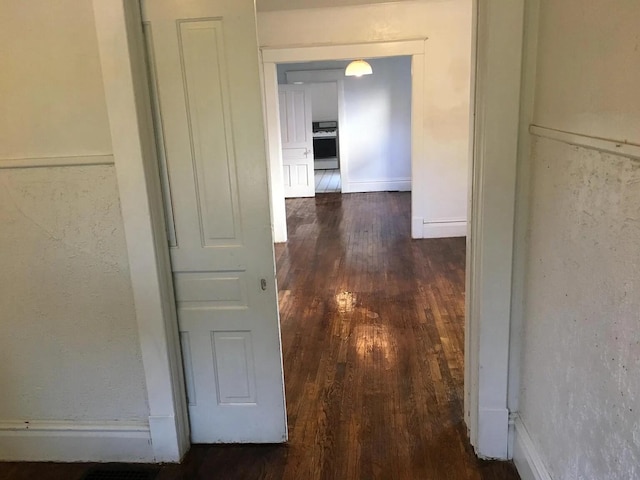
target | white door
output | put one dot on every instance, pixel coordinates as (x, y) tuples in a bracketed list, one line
[(204, 56), (297, 141)]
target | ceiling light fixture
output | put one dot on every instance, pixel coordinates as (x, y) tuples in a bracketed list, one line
[(358, 68)]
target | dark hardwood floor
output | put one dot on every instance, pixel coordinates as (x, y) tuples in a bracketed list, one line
[(373, 336)]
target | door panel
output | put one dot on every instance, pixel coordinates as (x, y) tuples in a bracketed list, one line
[(297, 141), (208, 96), (202, 55)]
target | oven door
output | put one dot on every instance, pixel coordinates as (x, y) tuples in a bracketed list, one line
[(325, 147)]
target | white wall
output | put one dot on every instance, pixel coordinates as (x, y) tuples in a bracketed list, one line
[(580, 389), (69, 354), (324, 96), (588, 69), (376, 132), (52, 97), (378, 127), (324, 101), (439, 198)]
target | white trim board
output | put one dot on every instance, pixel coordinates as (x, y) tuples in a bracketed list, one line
[(498, 72), (313, 53), (75, 441), (71, 161), (400, 185), (442, 229), (121, 47), (526, 456), (616, 147), (274, 152)]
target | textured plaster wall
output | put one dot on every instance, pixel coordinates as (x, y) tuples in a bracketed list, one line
[(580, 388), (580, 396), (69, 347)]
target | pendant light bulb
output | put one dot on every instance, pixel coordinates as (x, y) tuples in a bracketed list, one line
[(358, 68)]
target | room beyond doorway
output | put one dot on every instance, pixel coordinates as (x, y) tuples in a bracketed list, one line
[(359, 126), (271, 58)]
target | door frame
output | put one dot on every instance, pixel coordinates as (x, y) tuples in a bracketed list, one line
[(496, 84), (272, 56), (122, 57)]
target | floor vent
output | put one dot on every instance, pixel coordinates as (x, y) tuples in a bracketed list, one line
[(121, 472)]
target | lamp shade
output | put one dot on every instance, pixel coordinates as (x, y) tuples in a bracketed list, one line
[(357, 68)]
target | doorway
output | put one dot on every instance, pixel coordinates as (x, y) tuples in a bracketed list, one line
[(361, 297), (321, 56), (497, 80), (360, 126)]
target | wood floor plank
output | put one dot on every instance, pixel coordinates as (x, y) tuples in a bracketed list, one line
[(373, 340)]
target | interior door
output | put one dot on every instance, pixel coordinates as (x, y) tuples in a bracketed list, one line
[(297, 141), (204, 63)]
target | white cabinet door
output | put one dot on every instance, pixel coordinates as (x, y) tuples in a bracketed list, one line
[(297, 141), (204, 57)]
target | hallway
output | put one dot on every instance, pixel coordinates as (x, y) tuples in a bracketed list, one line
[(372, 331)]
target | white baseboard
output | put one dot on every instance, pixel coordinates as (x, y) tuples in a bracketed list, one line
[(401, 185), (526, 456), (444, 229), (48, 441), (424, 229)]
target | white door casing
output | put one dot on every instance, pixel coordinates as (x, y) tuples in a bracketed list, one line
[(206, 66), (272, 56), (297, 141)]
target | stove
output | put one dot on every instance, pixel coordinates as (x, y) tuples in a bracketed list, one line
[(325, 140)]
